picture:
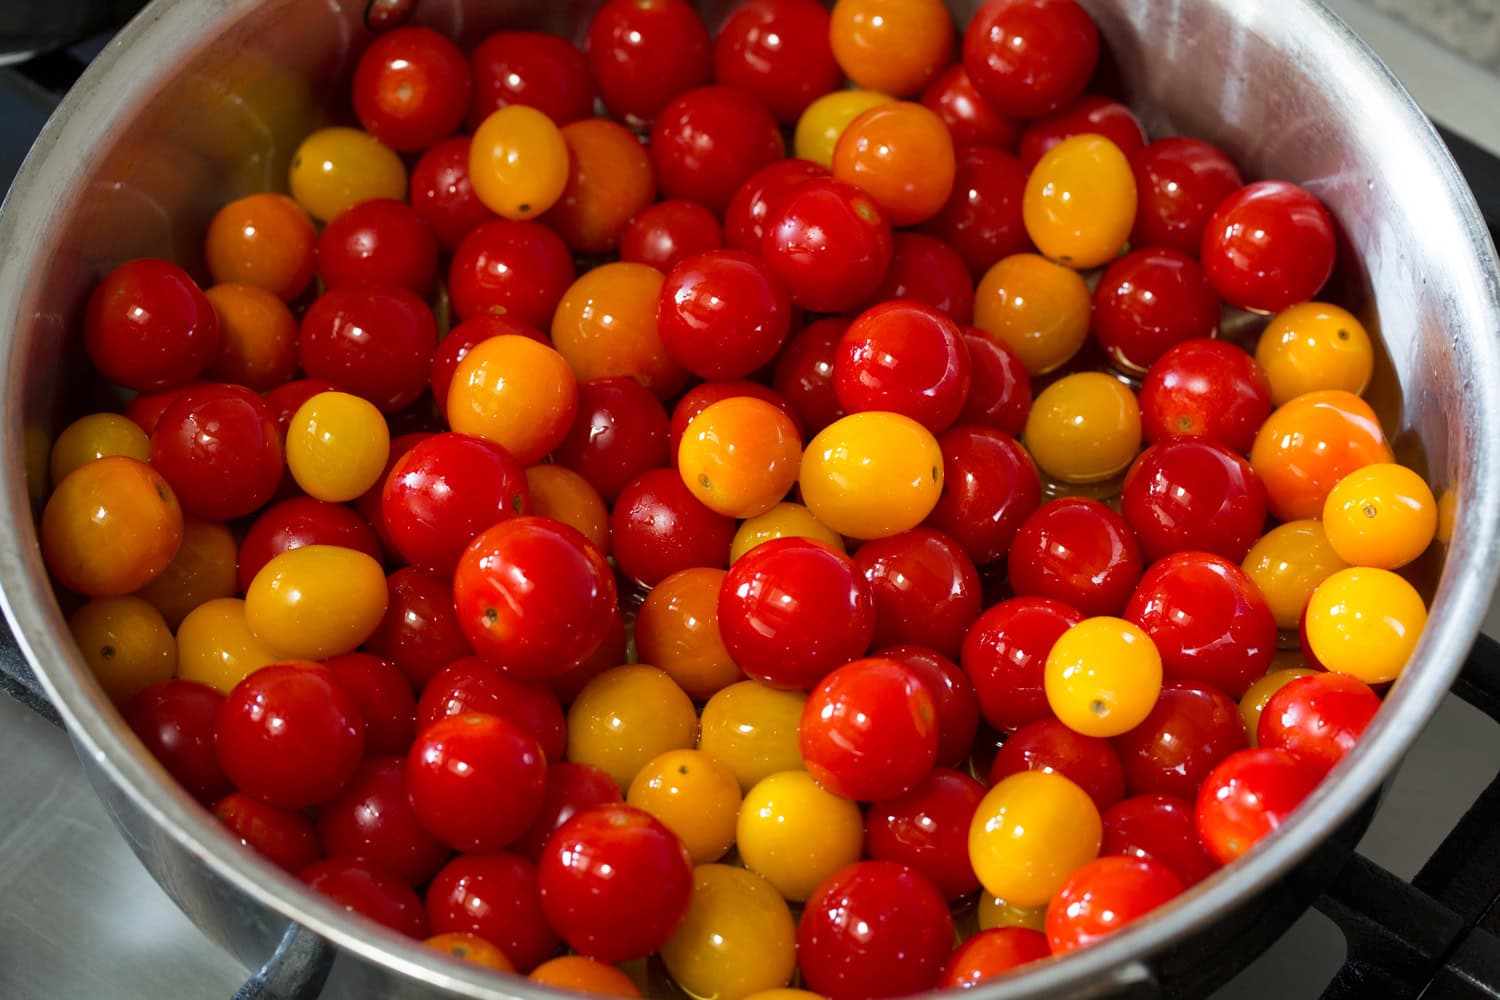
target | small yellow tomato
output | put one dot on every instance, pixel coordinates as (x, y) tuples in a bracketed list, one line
[(785, 520), (1030, 832), (752, 730), (627, 716), (1253, 701), (694, 796), (737, 938), (1365, 622), (795, 834), (203, 570), (1315, 345), (1288, 563), (1039, 308), (97, 435), (516, 392), (518, 162), (111, 527), (336, 168), (215, 647), (872, 475), (337, 446), (996, 912), (1084, 428), (565, 496), (1079, 203), (315, 602), (740, 456), (126, 644), (1102, 678), (1383, 515), (824, 121)]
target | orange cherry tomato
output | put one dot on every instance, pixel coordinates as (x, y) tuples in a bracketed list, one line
[(1306, 446), (258, 337), (96, 436), (1383, 515), (901, 154), (203, 570), (565, 496), (265, 240), (1038, 308), (518, 162), (677, 629), (215, 647), (740, 456), (471, 948), (515, 392), (897, 46), (1079, 203), (1314, 346), (606, 325), (824, 121), (110, 527), (585, 975), (609, 180)]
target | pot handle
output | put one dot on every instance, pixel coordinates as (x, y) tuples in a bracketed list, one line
[(17, 680), (296, 970)]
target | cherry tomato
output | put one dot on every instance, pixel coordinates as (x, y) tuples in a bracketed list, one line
[(337, 446), (462, 338), (982, 218), (218, 447), (869, 730), (778, 51), (1080, 201), (627, 716), (677, 629), (609, 181), (1193, 494), (1030, 832), (443, 194), (571, 789), (1048, 745), (795, 834), (1365, 623), (411, 88), (585, 975), (905, 358), (383, 242), (752, 730), (658, 527), (1037, 308), (704, 395), (1249, 795), (257, 337), (1312, 346), (1149, 301), (1179, 182), (175, 719), (737, 938), (708, 141), (1253, 702), (825, 119), (375, 341), (96, 436), (1029, 57), (476, 781), (1000, 390), (804, 373), (337, 167), (264, 240), (872, 475), (785, 520), (1267, 246), (110, 527), (201, 571), (1084, 428), (518, 162), (361, 889), (514, 392), (301, 521), (722, 314), (952, 696), (1383, 515), (384, 697), (829, 243), (643, 54), (148, 327), (1318, 718), (565, 496), (471, 948), (316, 601), (1305, 447), (926, 829), (1191, 728), (1088, 114), (1205, 388), (670, 231), (1079, 552), (215, 647), (926, 269), (371, 820), (126, 644), (740, 456), (695, 797), (285, 837), (532, 68), (1105, 895), (901, 155), (1161, 828), (925, 588), (893, 46), (496, 897), (990, 487), (521, 269), (606, 325), (469, 685), (992, 953), (970, 119), (1103, 676), (619, 433)]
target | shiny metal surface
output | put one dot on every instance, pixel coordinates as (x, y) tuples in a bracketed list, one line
[(199, 102)]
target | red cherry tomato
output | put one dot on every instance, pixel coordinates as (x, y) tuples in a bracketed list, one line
[(1179, 182), (952, 694), (927, 270), (218, 448), (925, 587), (420, 631), (701, 397), (1161, 828), (903, 357), (969, 117), (146, 409), (443, 194), (1105, 895), (927, 829), (708, 141), (1268, 246), (476, 781), (1249, 795), (829, 243), (1089, 762), (359, 888), (301, 521), (571, 789), (793, 609), (285, 837), (669, 231), (519, 268), (384, 697), (369, 504), (615, 882), (1029, 57), (644, 54), (175, 719), (982, 217), (1193, 494), (1192, 727), (496, 897), (761, 194), (1000, 389), (992, 953), (1205, 388), (723, 314), (804, 374), (1149, 301), (371, 820), (149, 327), (1005, 655), (1318, 719), (381, 241), (609, 653), (869, 730), (470, 685), (411, 88), (1079, 552), (990, 489), (534, 69), (658, 527), (1088, 114), (619, 433), (375, 341), (778, 51)]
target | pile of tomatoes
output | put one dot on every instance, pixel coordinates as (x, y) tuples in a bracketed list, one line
[(526, 562)]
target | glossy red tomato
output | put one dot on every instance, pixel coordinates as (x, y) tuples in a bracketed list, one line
[(1192, 727), (1206, 619), (925, 587), (1161, 828), (701, 397), (359, 888), (1088, 114), (375, 341), (609, 653), (903, 357), (969, 117), (990, 489), (175, 719), (804, 373), (457, 343), (290, 735), (1268, 246), (829, 243), (869, 730), (519, 268), (982, 217), (658, 527), (382, 242), (285, 837), (533, 595), (301, 521), (1149, 301), (723, 314), (146, 409), (369, 504), (615, 882), (668, 231), (925, 269), (992, 953), (874, 929), (420, 631), (384, 697), (1000, 389), (534, 69), (778, 51), (1318, 719), (1105, 895), (927, 829), (442, 192), (470, 685), (952, 694), (1191, 493), (1005, 655), (1079, 552), (571, 789), (762, 193), (372, 820), (1179, 182), (284, 400), (1205, 388), (1029, 57), (793, 609), (148, 327), (708, 141), (411, 88), (644, 54), (1089, 762), (496, 897), (476, 781), (619, 433), (218, 448), (1249, 795)]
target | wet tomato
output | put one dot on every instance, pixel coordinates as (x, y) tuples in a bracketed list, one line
[(952, 695), (375, 341), (723, 314), (658, 527), (1267, 246), (1077, 551), (285, 837), (903, 357), (829, 243), (496, 897), (1193, 494), (990, 489), (1029, 57), (470, 685), (519, 268), (476, 781), (1005, 654), (869, 730), (538, 70), (361, 889), (1205, 388), (1191, 728), (411, 88), (1105, 895), (148, 327), (371, 819), (778, 51), (925, 587), (665, 233), (176, 719), (382, 242), (384, 697), (970, 119), (708, 141), (1047, 745), (1088, 114), (1161, 828), (926, 828), (642, 55), (442, 192), (1247, 796), (1179, 182), (1317, 719)]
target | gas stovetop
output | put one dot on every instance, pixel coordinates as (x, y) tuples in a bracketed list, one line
[(1412, 913)]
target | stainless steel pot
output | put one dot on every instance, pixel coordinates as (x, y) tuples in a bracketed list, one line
[(197, 102)]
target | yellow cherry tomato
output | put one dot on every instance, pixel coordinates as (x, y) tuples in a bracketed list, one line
[(215, 647), (1253, 701), (785, 520), (740, 456), (1102, 677), (565, 496), (111, 527), (336, 168), (1079, 203), (1084, 428), (126, 644), (515, 392), (1030, 832), (824, 121), (626, 717), (752, 730), (1365, 622), (996, 912), (1288, 563), (1315, 345), (202, 570), (677, 629), (1383, 515), (795, 834), (97, 435), (337, 446), (1039, 308), (872, 475), (694, 796), (315, 602), (737, 938), (518, 162)]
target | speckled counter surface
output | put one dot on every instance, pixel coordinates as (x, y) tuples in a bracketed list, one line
[(1470, 28)]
